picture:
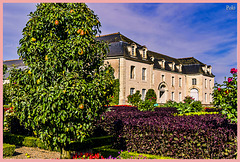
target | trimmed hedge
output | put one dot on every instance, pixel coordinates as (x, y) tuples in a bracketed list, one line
[(8, 149), (183, 137), (29, 141), (107, 151)]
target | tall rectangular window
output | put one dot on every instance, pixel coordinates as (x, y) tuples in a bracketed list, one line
[(143, 73), (180, 82), (172, 96), (210, 83), (132, 90), (180, 96), (132, 72), (163, 78), (194, 81), (173, 80), (205, 83), (143, 94), (205, 97)]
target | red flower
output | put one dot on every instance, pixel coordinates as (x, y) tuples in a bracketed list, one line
[(219, 89), (233, 71)]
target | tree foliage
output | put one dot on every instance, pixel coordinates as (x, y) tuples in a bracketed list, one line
[(135, 98), (67, 84), (151, 95)]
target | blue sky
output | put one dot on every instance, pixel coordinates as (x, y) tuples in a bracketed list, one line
[(205, 31)]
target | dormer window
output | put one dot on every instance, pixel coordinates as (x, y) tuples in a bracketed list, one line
[(144, 53), (173, 66), (162, 63), (210, 69), (133, 50), (179, 67), (152, 58)]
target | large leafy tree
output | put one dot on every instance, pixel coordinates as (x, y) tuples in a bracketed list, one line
[(67, 83)]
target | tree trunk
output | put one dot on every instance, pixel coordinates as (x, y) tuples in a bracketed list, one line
[(65, 154)]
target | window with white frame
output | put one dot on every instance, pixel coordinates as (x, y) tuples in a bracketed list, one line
[(143, 94), (172, 96), (210, 83), (163, 78), (132, 91), (173, 81), (205, 97), (144, 73), (132, 72), (205, 83), (180, 82), (194, 81), (180, 96)]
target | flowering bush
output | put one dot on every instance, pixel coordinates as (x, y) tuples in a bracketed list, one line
[(188, 99), (147, 105), (225, 96), (134, 99), (151, 95)]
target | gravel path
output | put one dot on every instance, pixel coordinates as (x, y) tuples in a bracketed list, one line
[(34, 152)]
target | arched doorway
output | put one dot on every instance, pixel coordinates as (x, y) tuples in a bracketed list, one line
[(194, 94), (162, 92)]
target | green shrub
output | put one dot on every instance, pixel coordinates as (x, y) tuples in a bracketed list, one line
[(187, 107), (147, 105), (135, 98), (196, 106), (151, 95), (8, 149), (188, 99), (29, 141)]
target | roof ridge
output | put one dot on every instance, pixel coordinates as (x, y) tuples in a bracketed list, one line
[(108, 34), (185, 57)]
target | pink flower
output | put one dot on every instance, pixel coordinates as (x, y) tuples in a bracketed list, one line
[(233, 71), (150, 99), (230, 79)]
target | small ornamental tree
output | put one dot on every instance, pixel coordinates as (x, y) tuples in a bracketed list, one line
[(151, 95), (225, 96), (66, 86), (135, 98)]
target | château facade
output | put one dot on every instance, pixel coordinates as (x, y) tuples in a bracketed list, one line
[(138, 68)]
